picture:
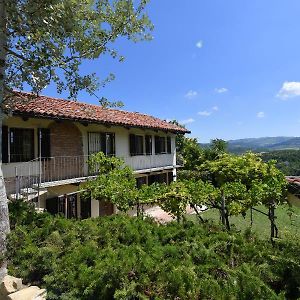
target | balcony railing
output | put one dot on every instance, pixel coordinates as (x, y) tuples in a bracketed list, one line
[(30, 174), (41, 170), (145, 162)]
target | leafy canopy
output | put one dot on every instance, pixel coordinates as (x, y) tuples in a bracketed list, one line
[(48, 40), (115, 182), (244, 181)]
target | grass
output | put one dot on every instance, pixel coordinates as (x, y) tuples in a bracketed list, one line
[(288, 221)]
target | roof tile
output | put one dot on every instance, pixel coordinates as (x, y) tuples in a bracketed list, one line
[(48, 107)]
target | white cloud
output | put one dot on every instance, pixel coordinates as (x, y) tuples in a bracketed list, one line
[(187, 121), (191, 94), (289, 89), (204, 113), (260, 114), (221, 90), (215, 108), (199, 44)]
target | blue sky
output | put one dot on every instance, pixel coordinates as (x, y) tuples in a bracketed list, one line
[(228, 69)]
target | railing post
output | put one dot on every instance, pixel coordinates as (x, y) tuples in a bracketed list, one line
[(28, 181), (17, 183)]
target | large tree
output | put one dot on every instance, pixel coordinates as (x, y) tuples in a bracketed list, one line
[(46, 41)]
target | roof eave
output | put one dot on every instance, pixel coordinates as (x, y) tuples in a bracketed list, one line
[(82, 120)]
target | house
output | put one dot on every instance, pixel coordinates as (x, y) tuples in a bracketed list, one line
[(46, 143), (293, 195)]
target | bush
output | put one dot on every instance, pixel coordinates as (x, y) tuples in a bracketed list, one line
[(120, 257)]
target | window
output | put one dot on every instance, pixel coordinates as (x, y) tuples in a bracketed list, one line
[(159, 178), (136, 144), (170, 177), (110, 144), (140, 181), (44, 135), (148, 142), (169, 145), (101, 142), (4, 144), (21, 143), (94, 142), (160, 145)]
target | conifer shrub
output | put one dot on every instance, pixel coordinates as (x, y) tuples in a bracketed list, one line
[(119, 257)]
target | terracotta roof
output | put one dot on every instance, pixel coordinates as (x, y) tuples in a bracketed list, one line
[(293, 179), (25, 104)]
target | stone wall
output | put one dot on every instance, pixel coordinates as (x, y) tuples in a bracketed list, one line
[(65, 139)]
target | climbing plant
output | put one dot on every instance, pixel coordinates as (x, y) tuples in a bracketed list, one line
[(243, 182)]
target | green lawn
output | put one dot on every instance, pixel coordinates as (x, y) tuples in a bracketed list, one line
[(288, 225)]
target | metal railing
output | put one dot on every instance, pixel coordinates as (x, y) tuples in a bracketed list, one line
[(144, 162), (50, 169), (47, 169)]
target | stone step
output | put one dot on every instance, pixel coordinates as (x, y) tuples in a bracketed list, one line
[(10, 285), (29, 293)]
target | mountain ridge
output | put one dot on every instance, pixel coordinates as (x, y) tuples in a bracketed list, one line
[(261, 144)]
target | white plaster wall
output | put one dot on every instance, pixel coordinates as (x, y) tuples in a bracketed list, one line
[(94, 208), (121, 143)]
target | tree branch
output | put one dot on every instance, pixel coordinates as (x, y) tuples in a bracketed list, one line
[(9, 51)]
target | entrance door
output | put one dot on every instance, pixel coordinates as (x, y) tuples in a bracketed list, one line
[(65, 205), (85, 205), (71, 206)]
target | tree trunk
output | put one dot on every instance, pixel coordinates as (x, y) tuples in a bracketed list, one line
[(138, 210), (223, 208), (4, 219), (274, 229), (197, 213), (227, 223)]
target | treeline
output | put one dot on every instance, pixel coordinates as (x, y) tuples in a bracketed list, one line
[(288, 161)]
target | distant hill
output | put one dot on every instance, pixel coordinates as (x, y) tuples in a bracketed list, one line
[(263, 144)]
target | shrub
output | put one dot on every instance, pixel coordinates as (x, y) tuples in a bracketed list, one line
[(120, 257)]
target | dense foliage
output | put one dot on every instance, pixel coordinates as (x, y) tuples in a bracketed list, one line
[(130, 258), (115, 182), (288, 161), (47, 41)]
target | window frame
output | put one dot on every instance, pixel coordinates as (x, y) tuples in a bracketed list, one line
[(11, 132), (169, 145), (45, 135), (159, 143), (103, 142), (148, 144), (133, 140)]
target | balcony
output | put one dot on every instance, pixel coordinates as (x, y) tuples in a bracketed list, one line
[(148, 162), (60, 170)]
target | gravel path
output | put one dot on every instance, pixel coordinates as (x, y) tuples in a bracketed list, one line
[(161, 216)]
